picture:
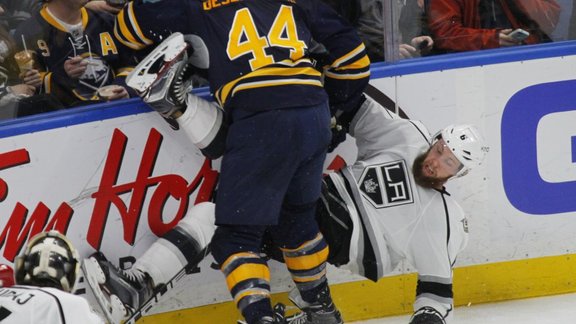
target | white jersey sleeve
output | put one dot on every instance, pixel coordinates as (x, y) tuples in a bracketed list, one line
[(32, 305)]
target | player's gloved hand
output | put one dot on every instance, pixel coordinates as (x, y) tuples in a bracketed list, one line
[(427, 315), (338, 135), (341, 120)]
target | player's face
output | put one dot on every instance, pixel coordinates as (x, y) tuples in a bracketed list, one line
[(434, 167), (440, 162)]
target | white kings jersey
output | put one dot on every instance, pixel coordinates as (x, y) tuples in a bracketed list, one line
[(400, 219), (33, 305)]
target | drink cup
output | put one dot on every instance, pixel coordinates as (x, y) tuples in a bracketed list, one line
[(25, 60), (106, 92)]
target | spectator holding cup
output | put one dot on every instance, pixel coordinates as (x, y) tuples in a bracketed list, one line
[(75, 52), (12, 90)]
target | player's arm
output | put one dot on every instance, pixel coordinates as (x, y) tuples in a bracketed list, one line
[(347, 67), (139, 25)]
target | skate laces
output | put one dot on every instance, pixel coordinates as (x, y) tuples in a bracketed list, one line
[(135, 277), (311, 314), (298, 318)]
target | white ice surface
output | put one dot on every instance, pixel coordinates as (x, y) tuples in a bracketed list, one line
[(557, 309)]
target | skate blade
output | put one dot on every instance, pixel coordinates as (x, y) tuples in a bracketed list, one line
[(141, 78), (112, 307)]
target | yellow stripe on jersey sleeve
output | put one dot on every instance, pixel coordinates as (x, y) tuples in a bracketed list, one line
[(136, 26), (342, 60), (47, 81), (347, 76), (362, 63), (122, 30), (225, 91)]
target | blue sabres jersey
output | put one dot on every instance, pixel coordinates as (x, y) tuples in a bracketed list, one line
[(94, 41), (258, 49)]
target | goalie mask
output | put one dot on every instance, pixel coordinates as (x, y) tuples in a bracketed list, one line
[(49, 260), (466, 144)]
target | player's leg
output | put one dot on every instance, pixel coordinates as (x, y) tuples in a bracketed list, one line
[(247, 275), (255, 173), (304, 248), (183, 246), (265, 151), (427, 315), (164, 81), (154, 77), (306, 262)]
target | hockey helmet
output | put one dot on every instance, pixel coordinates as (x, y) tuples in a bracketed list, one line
[(49, 260), (466, 143)]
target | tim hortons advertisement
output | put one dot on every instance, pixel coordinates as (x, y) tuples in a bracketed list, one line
[(113, 185)]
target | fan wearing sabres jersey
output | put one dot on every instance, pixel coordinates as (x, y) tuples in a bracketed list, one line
[(75, 52), (276, 109)]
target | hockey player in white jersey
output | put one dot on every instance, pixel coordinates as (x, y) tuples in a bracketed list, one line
[(391, 204), (45, 275)]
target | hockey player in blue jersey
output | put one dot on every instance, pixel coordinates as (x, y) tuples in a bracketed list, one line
[(277, 109)]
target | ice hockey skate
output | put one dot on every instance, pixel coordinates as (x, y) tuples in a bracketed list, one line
[(111, 306), (119, 292), (162, 78), (322, 312), (278, 317)]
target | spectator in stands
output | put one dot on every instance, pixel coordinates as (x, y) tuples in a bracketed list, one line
[(14, 12), (563, 27), (368, 16), (458, 26), (416, 40), (12, 90), (104, 5), (76, 53)]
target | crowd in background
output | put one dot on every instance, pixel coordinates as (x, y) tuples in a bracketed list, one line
[(72, 53)]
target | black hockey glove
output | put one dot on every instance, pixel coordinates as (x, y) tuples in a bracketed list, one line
[(340, 123)]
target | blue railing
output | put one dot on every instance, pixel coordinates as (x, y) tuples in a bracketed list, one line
[(85, 114)]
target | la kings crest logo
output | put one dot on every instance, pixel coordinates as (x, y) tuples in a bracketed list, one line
[(386, 185)]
